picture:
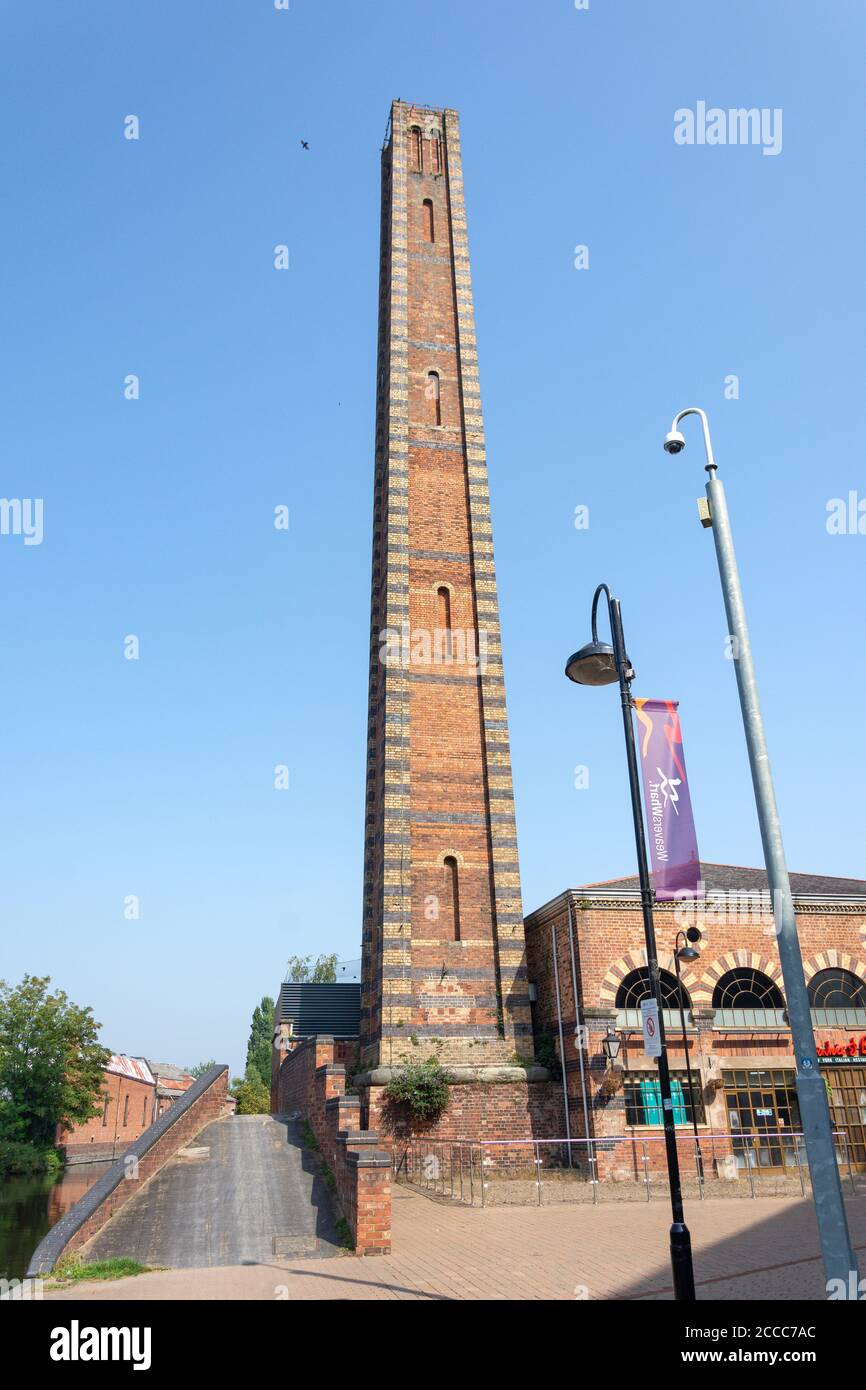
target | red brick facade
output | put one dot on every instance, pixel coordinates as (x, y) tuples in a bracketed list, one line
[(608, 944), (128, 1110), (488, 1110), (443, 950), (311, 1080)]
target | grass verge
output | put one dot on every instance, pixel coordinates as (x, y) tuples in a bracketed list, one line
[(71, 1269)]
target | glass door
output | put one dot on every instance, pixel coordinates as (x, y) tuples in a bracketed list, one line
[(847, 1087), (763, 1117)]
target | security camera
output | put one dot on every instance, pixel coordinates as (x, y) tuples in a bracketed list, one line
[(674, 442)]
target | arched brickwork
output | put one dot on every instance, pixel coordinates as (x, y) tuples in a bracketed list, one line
[(832, 959), (450, 854), (734, 960), (636, 960)]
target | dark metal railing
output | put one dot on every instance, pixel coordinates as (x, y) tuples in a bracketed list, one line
[(543, 1171)]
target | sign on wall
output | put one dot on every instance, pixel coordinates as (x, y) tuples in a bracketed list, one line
[(854, 1050), (652, 1038)]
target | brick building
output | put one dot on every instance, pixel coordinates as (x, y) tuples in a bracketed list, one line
[(129, 1107), (588, 943), (443, 949), (448, 966), (171, 1082)]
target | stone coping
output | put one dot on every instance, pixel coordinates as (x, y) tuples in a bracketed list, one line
[(369, 1158), (461, 1076)]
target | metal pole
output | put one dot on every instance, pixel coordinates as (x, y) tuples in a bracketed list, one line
[(698, 1155), (840, 1262), (561, 1038), (680, 1239), (579, 1037)]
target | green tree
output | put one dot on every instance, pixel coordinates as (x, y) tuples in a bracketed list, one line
[(201, 1067), (261, 1043), (304, 970), (51, 1065), (253, 1096)]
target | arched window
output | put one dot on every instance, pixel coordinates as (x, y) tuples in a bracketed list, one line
[(432, 394), (837, 989), (429, 226), (747, 989), (443, 606), (452, 895), (636, 986), (415, 148), (435, 152), (126, 1107)]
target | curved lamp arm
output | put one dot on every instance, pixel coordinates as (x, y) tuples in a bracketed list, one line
[(602, 589), (705, 424)]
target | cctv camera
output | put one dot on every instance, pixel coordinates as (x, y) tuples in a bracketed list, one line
[(674, 442)]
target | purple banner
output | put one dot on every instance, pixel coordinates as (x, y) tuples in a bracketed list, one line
[(673, 846)]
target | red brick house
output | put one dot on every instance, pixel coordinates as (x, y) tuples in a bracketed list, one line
[(733, 999), (129, 1108)]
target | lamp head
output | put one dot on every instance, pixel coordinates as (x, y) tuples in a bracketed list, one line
[(674, 442), (593, 664), (688, 953)]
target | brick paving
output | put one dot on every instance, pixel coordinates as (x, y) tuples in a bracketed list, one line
[(765, 1249)]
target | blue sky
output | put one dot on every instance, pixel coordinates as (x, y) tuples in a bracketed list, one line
[(154, 777)]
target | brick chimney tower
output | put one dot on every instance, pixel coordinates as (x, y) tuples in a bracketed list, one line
[(443, 947)]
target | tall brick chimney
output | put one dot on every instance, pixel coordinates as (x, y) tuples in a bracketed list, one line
[(443, 946)]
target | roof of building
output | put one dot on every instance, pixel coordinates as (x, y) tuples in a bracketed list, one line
[(734, 878), (719, 879), (135, 1068), (165, 1070), (333, 1010)]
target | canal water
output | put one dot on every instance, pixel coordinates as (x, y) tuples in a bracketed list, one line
[(30, 1206)]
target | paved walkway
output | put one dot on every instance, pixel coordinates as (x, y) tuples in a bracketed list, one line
[(257, 1194), (762, 1249)]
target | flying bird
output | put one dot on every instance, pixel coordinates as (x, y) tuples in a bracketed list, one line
[(305, 144)]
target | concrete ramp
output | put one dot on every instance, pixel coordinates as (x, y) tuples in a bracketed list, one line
[(244, 1191)]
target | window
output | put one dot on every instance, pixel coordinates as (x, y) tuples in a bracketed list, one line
[(144, 1112), (452, 888), (747, 989), (837, 989), (643, 1101), (435, 152), (429, 226), (415, 149), (636, 986), (443, 615), (105, 1112), (432, 394), (126, 1108)]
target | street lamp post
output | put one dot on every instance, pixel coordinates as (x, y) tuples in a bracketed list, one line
[(600, 664), (687, 952), (840, 1263)]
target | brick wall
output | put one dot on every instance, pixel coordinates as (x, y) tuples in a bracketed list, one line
[(128, 1110), (312, 1080), (515, 1109), (202, 1103)]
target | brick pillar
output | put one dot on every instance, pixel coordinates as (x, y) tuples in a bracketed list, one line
[(443, 946)]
